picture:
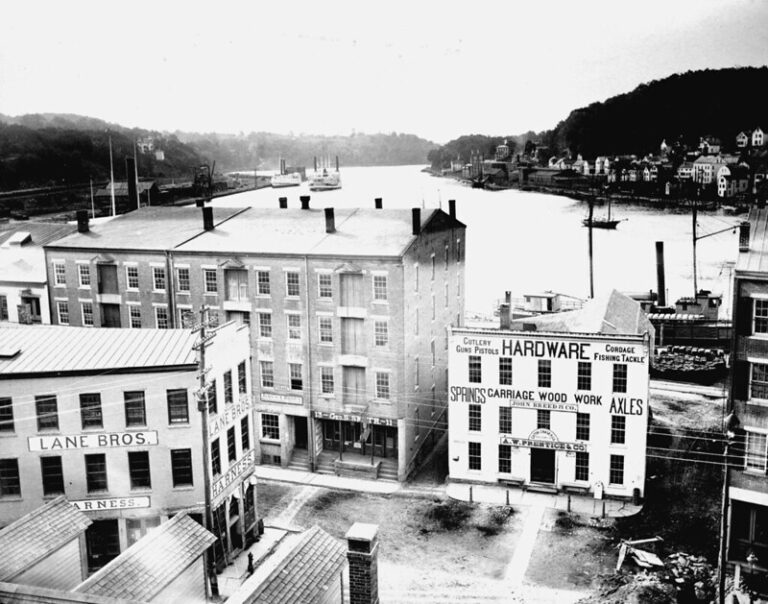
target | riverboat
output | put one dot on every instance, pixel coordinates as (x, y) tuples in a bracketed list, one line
[(279, 181), (325, 179)]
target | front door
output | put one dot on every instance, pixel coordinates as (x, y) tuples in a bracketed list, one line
[(543, 465), (300, 432), (102, 543), (110, 315)]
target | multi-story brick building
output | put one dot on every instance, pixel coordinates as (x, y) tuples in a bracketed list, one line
[(348, 313), (109, 419)]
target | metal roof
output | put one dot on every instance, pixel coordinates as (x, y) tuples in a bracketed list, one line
[(39, 534), (755, 259), (40, 232), (61, 349)]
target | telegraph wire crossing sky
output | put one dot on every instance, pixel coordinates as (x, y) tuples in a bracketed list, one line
[(434, 69)]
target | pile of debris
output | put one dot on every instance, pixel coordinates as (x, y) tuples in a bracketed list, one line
[(692, 575), (689, 364)]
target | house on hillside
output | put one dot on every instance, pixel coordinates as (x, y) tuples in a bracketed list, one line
[(709, 145), (732, 180), (147, 190)]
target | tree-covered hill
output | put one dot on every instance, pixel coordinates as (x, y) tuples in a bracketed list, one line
[(460, 149)]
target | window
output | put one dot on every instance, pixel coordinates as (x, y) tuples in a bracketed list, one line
[(505, 459), (210, 282), (228, 386), (619, 377), (267, 374), (262, 283), (87, 312), (382, 385), (582, 465), (265, 324), (4, 308), (446, 294), (618, 429), (324, 284), (475, 418), (242, 379), (381, 333), (545, 373), (135, 315), (416, 322), (84, 275), (505, 371), (326, 380), (432, 351), (292, 283), (475, 456), (616, 474), (158, 278), (458, 250), (416, 372), (182, 279), (90, 411), (433, 307), (237, 284), (215, 457), (10, 484), (447, 251), (294, 372), (380, 288), (245, 434), (132, 276), (47, 412), (433, 267), (135, 408), (505, 420), (211, 398), (294, 327), (181, 467), (475, 370), (178, 409), (96, 472), (755, 458), (543, 419), (231, 445), (326, 329), (270, 426), (6, 414), (582, 426), (161, 317), (584, 376), (59, 273), (416, 277), (63, 310), (52, 475), (138, 469), (759, 382)]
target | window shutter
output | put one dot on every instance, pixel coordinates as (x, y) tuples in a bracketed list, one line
[(741, 381), (744, 309)]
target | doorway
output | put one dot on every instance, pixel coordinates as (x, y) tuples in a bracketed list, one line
[(543, 465), (102, 543), (300, 432), (110, 315)]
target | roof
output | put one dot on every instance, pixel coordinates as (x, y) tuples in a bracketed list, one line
[(40, 233), (39, 534), (611, 314), (17, 593), (756, 258), (150, 564), (121, 189), (152, 228), (39, 349), (303, 575)]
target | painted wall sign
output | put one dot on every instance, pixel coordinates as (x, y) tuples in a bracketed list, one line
[(553, 349), (274, 397), (228, 415), (526, 399), (351, 417), (541, 439), (113, 503), (104, 440), (230, 477)]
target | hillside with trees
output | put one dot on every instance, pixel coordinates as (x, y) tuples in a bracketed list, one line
[(460, 148)]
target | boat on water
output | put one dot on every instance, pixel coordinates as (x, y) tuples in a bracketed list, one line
[(324, 178), (602, 222), (279, 181)]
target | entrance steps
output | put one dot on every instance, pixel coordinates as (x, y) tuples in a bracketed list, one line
[(299, 460), (387, 468), (541, 487)]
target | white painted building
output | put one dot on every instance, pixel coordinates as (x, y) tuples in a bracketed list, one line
[(562, 406)]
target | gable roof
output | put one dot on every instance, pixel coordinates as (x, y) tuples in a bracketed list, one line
[(150, 564), (121, 189), (40, 233), (755, 259), (39, 534)]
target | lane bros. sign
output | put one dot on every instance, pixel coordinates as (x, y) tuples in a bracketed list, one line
[(103, 440)]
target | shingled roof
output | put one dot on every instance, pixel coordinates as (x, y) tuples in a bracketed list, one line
[(39, 534), (153, 562)]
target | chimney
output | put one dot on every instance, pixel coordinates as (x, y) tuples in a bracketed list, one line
[(362, 555), (200, 203), (416, 220), (208, 218), (508, 298), (452, 208), (337, 163), (82, 221), (505, 320), (744, 236), (130, 176), (660, 285), (377, 203), (330, 223), (315, 160), (283, 201), (304, 199)]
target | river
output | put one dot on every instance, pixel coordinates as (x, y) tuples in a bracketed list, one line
[(529, 242)]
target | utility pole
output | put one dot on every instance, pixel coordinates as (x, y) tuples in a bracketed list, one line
[(695, 238), (202, 406), (591, 267)]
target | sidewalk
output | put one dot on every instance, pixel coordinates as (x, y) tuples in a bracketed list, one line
[(235, 573), (381, 487)]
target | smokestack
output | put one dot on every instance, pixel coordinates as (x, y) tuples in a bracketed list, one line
[(200, 203), (508, 297), (377, 203), (744, 236), (660, 283), (283, 201), (330, 223), (505, 319), (452, 208), (82, 221), (362, 555), (130, 176), (337, 163), (315, 160), (304, 199), (416, 220), (208, 218)]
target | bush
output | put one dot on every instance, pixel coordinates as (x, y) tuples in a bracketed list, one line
[(329, 498), (450, 515), (496, 518)]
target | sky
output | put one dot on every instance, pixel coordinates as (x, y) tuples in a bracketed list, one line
[(435, 69)]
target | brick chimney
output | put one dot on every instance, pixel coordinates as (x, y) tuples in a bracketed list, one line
[(744, 228), (416, 220), (82, 221), (505, 320), (377, 203), (283, 201), (362, 555), (304, 199), (330, 222), (208, 218), (452, 208)]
